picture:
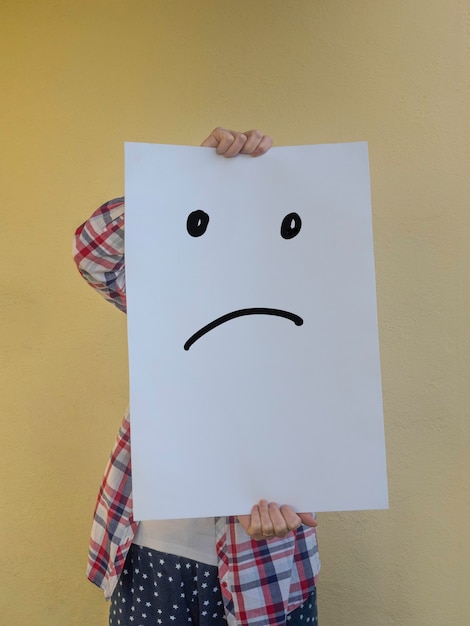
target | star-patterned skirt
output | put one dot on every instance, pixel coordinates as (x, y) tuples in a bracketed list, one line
[(158, 588)]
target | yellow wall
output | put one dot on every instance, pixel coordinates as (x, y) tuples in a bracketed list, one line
[(78, 78)]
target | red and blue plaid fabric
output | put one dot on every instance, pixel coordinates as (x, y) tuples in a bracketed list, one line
[(261, 581)]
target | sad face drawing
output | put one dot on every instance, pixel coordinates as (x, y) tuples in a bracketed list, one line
[(196, 226)]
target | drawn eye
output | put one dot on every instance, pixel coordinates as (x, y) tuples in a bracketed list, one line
[(196, 224), (291, 225)]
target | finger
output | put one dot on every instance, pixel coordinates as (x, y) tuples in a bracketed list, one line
[(263, 147), (227, 143), (209, 142), (254, 528), (267, 527), (279, 523), (225, 139), (256, 143), (308, 519), (253, 139), (213, 140), (255, 521), (221, 139), (245, 521), (293, 521), (235, 147)]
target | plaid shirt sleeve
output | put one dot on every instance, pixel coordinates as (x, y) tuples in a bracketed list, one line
[(98, 251), (113, 526), (263, 581)]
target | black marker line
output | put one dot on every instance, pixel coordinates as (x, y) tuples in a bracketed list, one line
[(298, 321)]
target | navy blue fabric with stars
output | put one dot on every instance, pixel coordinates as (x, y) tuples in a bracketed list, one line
[(156, 589)]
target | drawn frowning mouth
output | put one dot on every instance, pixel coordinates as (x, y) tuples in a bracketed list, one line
[(298, 321)]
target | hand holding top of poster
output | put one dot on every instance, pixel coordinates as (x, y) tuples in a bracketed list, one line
[(229, 143)]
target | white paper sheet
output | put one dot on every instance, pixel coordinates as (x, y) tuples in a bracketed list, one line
[(261, 405)]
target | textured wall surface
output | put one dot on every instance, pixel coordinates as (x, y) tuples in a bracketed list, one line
[(78, 79)]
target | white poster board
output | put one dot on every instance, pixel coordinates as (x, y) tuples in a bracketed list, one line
[(252, 330)]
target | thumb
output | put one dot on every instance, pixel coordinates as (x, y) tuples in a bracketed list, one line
[(213, 140), (308, 519)]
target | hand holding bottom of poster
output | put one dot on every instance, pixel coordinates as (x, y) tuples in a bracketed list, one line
[(268, 519)]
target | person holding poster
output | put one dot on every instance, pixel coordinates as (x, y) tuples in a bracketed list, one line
[(252, 570)]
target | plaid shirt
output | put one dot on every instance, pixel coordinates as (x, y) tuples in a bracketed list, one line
[(261, 581)]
